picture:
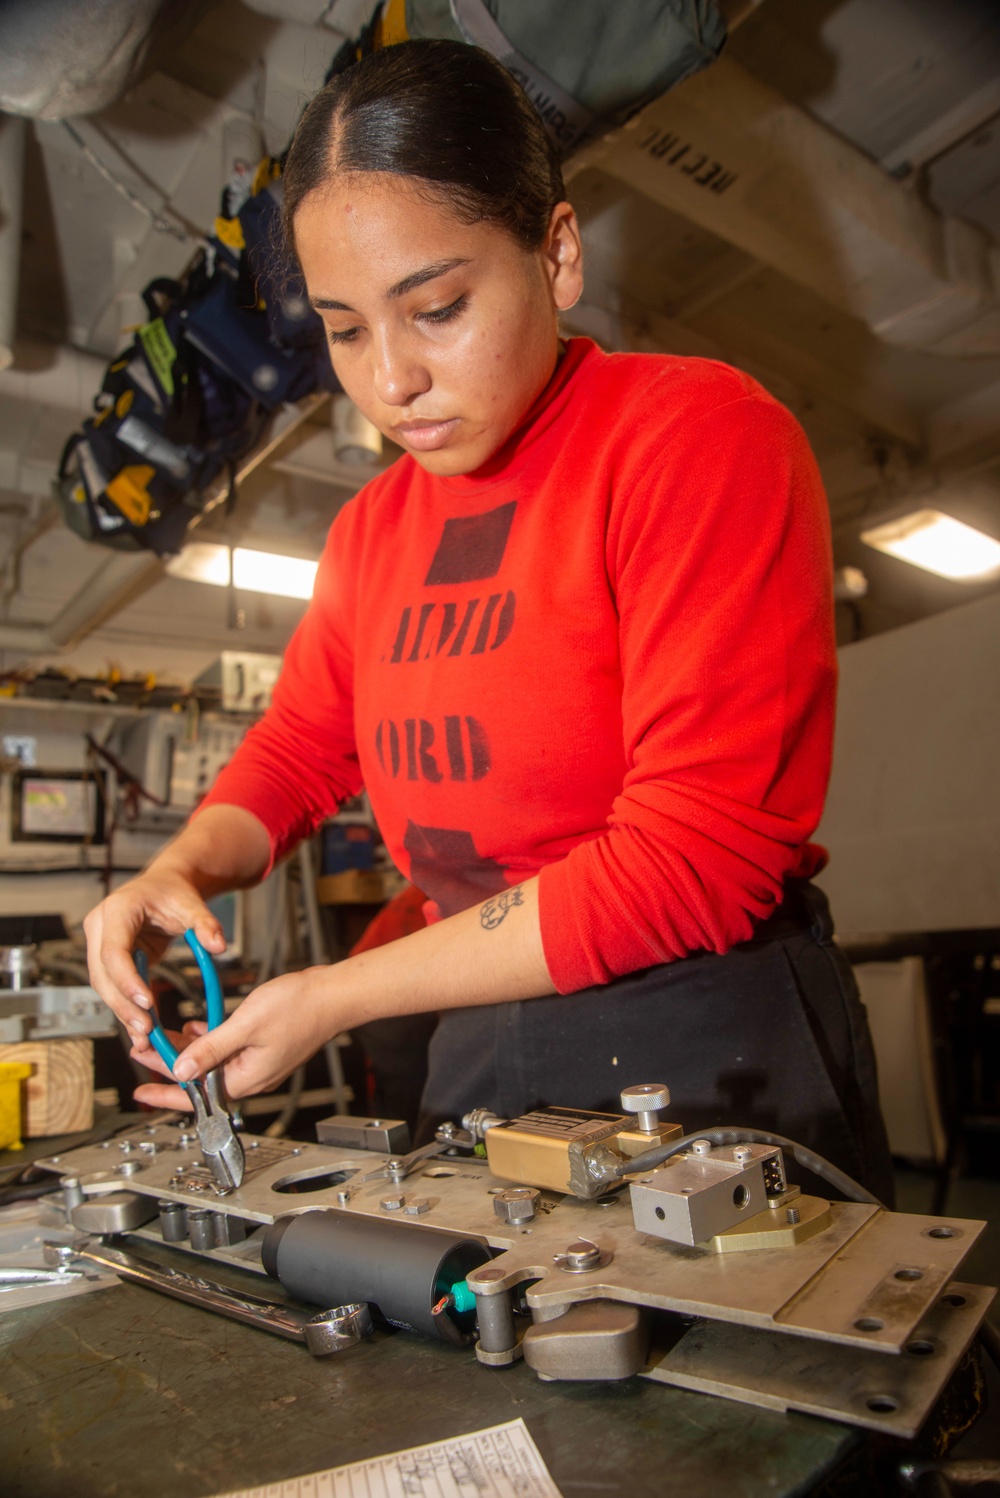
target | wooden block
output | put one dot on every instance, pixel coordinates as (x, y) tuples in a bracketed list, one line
[(352, 887), (60, 1090)]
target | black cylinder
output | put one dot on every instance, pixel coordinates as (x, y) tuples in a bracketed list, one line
[(330, 1258)]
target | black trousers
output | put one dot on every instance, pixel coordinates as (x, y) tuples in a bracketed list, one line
[(772, 1035)]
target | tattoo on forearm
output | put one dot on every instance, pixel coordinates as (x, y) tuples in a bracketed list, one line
[(495, 910)]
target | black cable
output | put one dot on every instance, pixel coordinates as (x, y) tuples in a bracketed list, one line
[(29, 1191), (807, 1158)]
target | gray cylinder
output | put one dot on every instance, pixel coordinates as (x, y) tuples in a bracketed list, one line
[(330, 1257), (201, 1228), (173, 1221)]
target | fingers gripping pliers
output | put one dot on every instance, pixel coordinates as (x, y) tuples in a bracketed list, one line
[(220, 1144)]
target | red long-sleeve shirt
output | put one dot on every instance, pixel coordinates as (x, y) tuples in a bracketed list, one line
[(606, 657)]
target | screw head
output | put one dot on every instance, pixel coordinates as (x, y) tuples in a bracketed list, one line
[(579, 1256), (701, 1147), (742, 1152)]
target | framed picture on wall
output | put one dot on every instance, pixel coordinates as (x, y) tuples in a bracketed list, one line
[(65, 806)]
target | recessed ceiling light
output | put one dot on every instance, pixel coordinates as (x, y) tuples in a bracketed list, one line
[(254, 571), (939, 544)]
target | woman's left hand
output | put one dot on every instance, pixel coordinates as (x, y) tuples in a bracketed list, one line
[(274, 1030)]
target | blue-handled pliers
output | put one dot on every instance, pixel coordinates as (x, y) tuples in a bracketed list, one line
[(220, 1144)]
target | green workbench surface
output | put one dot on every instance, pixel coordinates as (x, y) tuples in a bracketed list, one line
[(125, 1392)]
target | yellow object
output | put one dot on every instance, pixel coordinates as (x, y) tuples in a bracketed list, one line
[(124, 402), (230, 231), (12, 1074), (268, 171), (129, 491), (392, 27)]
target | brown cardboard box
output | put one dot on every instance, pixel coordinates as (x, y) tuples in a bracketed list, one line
[(352, 887)]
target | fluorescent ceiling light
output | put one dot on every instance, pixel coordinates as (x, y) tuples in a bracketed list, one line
[(266, 572), (201, 562), (254, 571), (938, 543)]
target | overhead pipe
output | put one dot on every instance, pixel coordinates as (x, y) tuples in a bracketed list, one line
[(13, 133), (739, 160), (51, 374)]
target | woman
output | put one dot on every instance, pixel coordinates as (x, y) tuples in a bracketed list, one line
[(577, 645)]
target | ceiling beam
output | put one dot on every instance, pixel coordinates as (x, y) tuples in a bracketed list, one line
[(739, 160)]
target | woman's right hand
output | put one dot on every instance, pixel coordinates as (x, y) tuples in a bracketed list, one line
[(147, 913)]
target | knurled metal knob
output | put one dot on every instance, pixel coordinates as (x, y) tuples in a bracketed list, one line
[(645, 1100)]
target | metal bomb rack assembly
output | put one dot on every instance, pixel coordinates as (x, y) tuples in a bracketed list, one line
[(595, 1246)]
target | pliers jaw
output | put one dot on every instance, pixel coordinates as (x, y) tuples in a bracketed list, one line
[(220, 1144)]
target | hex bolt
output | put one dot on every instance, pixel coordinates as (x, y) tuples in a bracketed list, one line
[(793, 1215), (516, 1203), (128, 1168), (645, 1100), (147, 1146), (418, 1206), (393, 1203)]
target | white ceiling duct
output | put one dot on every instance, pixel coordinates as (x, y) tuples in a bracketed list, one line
[(736, 158), (69, 57), (49, 374)]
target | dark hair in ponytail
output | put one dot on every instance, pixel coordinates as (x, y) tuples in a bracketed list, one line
[(444, 114)]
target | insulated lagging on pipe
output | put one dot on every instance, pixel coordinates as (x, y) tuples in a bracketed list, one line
[(329, 1257)]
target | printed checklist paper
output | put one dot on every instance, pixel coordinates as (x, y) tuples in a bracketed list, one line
[(502, 1462)]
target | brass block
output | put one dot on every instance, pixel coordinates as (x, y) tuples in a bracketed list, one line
[(632, 1142), (771, 1228), (529, 1159)]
